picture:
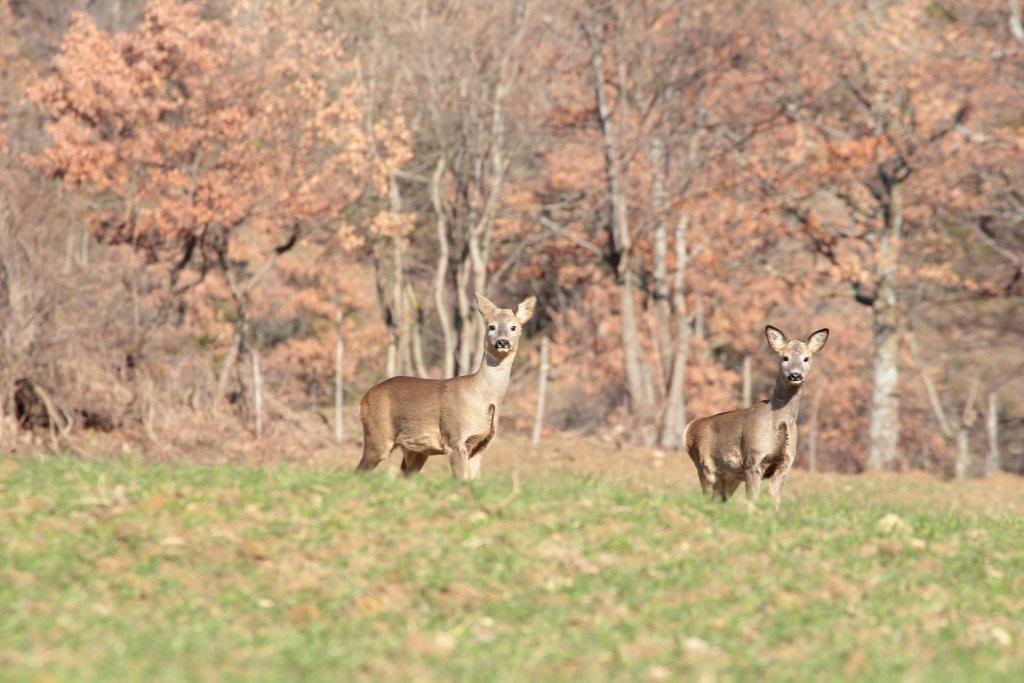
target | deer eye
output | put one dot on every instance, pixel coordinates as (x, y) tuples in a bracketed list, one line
[(513, 328), (806, 358), (492, 328), (785, 359)]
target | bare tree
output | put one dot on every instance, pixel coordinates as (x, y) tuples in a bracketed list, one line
[(441, 272), (620, 243), (864, 101), (475, 139), (956, 428), (674, 416), (660, 287)]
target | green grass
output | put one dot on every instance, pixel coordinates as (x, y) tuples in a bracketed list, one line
[(130, 570)]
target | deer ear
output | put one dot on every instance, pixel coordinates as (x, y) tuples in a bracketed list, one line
[(776, 339), (484, 305), (524, 309), (817, 340)]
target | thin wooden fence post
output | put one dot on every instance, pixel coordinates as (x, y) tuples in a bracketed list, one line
[(542, 390), (339, 382), (257, 390)]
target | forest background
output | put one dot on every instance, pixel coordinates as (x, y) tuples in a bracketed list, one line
[(208, 208)]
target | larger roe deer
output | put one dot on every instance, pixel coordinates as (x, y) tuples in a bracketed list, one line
[(758, 442), (457, 417)]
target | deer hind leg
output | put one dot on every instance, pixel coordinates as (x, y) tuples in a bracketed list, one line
[(752, 478), (412, 462), (372, 455), (705, 475), (376, 447), (775, 483)]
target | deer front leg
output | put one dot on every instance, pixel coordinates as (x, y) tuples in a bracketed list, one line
[(775, 484), (459, 459), (778, 480), (476, 454), (777, 477), (473, 466), (752, 478)]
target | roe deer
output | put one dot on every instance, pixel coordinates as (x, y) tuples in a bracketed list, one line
[(758, 442), (457, 417)]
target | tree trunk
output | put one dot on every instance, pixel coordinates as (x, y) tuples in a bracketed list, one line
[(662, 305), (699, 331), (542, 391), (957, 429), (673, 424), (403, 323), (229, 362), (747, 391), (388, 313), (478, 276), (467, 317), (884, 429), (84, 251), (480, 231), (992, 425), (7, 407), (1016, 23), (391, 361), (963, 454), (69, 253), (638, 378), (257, 391), (639, 390), (415, 313), (440, 274), (339, 380), (479, 248), (240, 294)]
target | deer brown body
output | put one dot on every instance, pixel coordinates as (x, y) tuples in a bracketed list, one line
[(759, 442), (457, 417)]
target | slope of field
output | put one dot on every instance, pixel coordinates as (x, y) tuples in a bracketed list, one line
[(126, 569)]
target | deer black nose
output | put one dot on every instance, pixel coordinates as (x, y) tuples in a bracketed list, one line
[(795, 377), (502, 344)]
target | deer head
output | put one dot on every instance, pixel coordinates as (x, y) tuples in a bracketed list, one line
[(504, 325), (795, 356)]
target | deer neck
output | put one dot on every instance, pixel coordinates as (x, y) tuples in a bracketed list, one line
[(493, 376), (785, 400)]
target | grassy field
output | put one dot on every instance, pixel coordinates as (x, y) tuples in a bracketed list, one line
[(123, 569)]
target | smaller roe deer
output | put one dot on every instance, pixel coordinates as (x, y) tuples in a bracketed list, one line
[(456, 417), (758, 442)]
